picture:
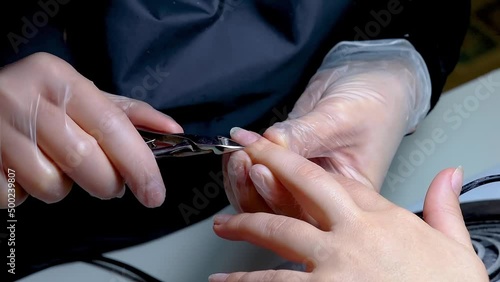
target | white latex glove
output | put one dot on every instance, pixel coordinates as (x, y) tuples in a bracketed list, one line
[(359, 235), (57, 128), (350, 120)]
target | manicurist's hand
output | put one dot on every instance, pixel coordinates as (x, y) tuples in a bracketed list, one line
[(57, 128), (350, 120)]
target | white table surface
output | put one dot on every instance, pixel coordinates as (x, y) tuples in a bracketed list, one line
[(469, 137), (463, 129)]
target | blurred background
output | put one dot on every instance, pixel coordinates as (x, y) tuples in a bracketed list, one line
[(481, 49)]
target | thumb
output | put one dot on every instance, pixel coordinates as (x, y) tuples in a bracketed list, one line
[(312, 135), (304, 132), (442, 206)]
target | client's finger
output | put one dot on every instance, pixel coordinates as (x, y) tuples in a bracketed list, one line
[(277, 197), (291, 238), (442, 207), (261, 276), (246, 196), (316, 190)]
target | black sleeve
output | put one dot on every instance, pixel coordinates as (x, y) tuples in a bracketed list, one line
[(435, 28)]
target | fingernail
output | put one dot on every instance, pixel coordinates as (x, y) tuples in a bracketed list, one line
[(221, 219), (242, 136), (260, 184), (218, 277), (457, 180), (237, 175), (122, 192)]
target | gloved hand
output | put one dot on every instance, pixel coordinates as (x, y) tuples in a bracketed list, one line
[(350, 120), (57, 127), (359, 235)]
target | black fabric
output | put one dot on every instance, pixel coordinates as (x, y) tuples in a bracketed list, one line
[(209, 64)]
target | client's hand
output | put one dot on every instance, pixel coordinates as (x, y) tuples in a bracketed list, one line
[(359, 235)]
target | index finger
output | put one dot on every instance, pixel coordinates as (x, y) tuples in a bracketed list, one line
[(315, 189), (119, 139)]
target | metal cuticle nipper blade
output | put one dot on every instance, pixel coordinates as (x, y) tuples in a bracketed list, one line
[(183, 145)]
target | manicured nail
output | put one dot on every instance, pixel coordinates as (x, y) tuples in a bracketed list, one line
[(218, 277), (221, 219), (457, 180), (242, 136)]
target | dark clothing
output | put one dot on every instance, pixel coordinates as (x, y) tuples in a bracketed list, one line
[(209, 64)]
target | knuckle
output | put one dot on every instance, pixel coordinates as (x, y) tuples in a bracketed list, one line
[(128, 105), (451, 209), (308, 171), (275, 134), (79, 150), (48, 63), (446, 208), (234, 277), (272, 275), (112, 120), (275, 227)]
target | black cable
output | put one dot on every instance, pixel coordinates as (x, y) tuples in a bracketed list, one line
[(492, 239), (480, 182), (121, 268)]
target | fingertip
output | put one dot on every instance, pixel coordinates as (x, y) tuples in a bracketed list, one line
[(218, 277), (56, 196), (243, 136), (174, 128), (442, 206), (122, 192), (443, 178), (151, 193), (171, 125), (221, 219), (449, 179), (155, 197)]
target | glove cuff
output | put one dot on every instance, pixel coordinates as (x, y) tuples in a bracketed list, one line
[(393, 55)]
